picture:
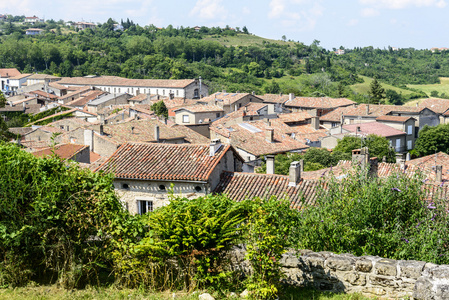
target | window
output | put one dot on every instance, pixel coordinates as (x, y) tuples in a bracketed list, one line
[(409, 145), (398, 145), (125, 186), (196, 93), (177, 92), (144, 206), (198, 188), (409, 129), (218, 115), (334, 124), (162, 187), (185, 119)]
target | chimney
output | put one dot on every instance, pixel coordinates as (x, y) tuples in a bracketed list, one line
[(367, 109), (200, 86), (270, 164), (132, 130), (439, 173), (400, 160), (269, 135), (156, 133), (373, 167), (101, 118), (361, 156), (294, 174), (315, 123), (101, 129), (291, 96), (214, 146), (89, 139), (253, 93)]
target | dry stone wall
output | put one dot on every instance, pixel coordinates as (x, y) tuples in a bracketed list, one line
[(369, 275)]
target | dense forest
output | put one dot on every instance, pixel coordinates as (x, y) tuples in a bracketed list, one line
[(266, 67)]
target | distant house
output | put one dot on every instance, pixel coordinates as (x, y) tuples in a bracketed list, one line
[(5, 76), (3, 17), (146, 174), (34, 31), (84, 25), (316, 105), (32, 20), (340, 52), (231, 101)]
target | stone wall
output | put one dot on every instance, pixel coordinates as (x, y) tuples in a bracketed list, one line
[(369, 275)]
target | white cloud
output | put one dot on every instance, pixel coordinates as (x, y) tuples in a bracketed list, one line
[(209, 9), (400, 4), (352, 22), (297, 15), (369, 12)]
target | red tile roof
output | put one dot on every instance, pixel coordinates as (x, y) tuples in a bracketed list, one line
[(163, 161), (9, 72), (316, 102), (335, 115), (241, 186), (65, 151), (373, 128), (439, 106), (119, 81), (393, 119), (200, 108), (274, 98)]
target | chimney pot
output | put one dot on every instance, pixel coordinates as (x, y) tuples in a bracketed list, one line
[(270, 164), (157, 133), (214, 146), (291, 96), (439, 173), (294, 175)]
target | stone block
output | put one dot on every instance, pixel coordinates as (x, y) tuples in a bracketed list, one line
[(411, 268), (315, 261), (363, 265), (205, 296), (383, 281), (387, 267), (340, 263), (289, 260), (305, 251), (440, 272), (442, 292), (374, 291), (423, 289), (326, 254), (355, 278)]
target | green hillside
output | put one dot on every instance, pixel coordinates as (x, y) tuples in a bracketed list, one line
[(363, 88), (441, 88), (244, 40)]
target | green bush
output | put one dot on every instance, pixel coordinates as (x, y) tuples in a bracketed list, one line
[(385, 217), (57, 221)]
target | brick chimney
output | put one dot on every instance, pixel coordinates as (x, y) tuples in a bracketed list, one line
[(315, 122), (294, 175), (291, 96), (439, 173), (214, 146), (270, 164), (269, 135), (157, 133)]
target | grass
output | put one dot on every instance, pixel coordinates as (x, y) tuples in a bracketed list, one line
[(363, 88), (53, 292), (442, 87), (241, 39)]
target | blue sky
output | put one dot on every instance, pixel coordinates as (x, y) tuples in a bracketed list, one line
[(420, 24)]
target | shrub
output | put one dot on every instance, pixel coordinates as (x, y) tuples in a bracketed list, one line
[(386, 217)]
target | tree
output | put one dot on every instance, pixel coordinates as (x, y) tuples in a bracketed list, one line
[(2, 99), (284, 38), (273, 88), (160, 109), (378, 146), (245, 30), (393, 97), (376, 91), (432, 140)]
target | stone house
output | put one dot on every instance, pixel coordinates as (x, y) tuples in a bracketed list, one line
[(74, 152), (317, 106), (5, 75), (230, 102), (197, 114), (184, 88), (34, 31), (147, 174)]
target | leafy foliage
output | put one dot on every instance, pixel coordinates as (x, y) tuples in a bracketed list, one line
[(56, 221), (378, 146), (160, 109), (385, 217), (432, 140)]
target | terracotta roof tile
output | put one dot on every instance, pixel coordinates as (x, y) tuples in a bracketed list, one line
[(316, 102), (119, 81), (241, 186), (439, 106), (373, 128), (64, 151), (393, 119), (163, 161), (9, 72)]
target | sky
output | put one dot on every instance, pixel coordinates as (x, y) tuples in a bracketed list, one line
[(420, 24)]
